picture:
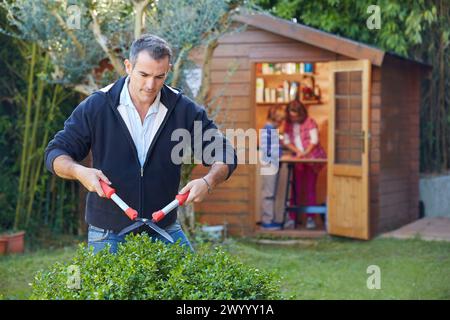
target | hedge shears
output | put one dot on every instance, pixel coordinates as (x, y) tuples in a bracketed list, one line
[(139, 222)]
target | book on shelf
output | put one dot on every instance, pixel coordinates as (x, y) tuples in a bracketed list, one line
[(267, 95), (273, 95), (280, 94), (259, 90), (293, 91), (286, 90), (285, 68)]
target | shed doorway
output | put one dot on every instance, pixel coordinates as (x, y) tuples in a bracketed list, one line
[(335, 95)]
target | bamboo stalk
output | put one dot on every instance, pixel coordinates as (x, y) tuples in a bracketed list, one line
[(430, 133), (57, 99), (30, 167), (441, 95), (73, 211), (53, 195), (40, 151), (443, 112), (24, 159), (59, 219), (47, 200)]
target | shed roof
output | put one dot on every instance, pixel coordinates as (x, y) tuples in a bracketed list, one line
[(318, 38)]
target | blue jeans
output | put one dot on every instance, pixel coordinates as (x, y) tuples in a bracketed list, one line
[(99, 238)]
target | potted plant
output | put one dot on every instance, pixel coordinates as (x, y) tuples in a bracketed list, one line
[(13, 241), (3, 246)]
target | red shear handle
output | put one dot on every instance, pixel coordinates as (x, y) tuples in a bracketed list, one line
[(131, 213), (158, 215), (182, 198), (107, 189)]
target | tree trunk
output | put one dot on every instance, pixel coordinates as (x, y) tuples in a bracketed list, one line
[(101, 40), (178, 66), (139, 22), (202, 95)]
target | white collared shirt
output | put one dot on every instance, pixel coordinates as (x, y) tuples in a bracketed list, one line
[(142, 133)]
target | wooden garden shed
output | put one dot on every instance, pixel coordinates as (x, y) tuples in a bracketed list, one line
[(367, 109)]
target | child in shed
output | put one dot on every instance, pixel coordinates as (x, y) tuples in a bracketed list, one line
[(268, 146)]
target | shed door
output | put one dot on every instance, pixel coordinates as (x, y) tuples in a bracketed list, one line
[(348, 160)]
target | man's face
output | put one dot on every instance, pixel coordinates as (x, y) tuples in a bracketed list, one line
[(147, 77)]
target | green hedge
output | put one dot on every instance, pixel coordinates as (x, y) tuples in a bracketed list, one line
[(143, 269)]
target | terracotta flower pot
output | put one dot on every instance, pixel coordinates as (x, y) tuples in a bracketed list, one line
[(3, 246), (15, 242)]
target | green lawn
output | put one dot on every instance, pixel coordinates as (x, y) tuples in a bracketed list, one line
[(323, 269), (337, 268), (17, 271)]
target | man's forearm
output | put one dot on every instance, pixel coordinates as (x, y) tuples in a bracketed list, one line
[(217, 174), (66, 168)]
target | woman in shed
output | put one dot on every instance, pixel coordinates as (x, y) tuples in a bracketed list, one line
[(301, 137)]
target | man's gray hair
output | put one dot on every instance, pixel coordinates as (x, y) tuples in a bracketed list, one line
[(155, 46)]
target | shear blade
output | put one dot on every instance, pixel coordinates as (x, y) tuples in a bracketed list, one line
[(131, 228), (160, 231)]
